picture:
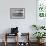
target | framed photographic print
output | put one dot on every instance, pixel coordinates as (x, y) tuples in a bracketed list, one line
[(17, 13)]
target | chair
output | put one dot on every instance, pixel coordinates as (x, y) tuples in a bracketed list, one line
[(14, 32), (25, 36)]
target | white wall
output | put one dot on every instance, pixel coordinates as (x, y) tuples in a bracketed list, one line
[(23, 24)]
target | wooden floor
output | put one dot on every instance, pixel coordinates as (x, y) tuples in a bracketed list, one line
[(13, 44)]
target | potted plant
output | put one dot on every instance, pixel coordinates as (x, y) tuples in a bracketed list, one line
[(39, 35)]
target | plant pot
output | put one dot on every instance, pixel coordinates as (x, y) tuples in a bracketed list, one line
[(40, 41)]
